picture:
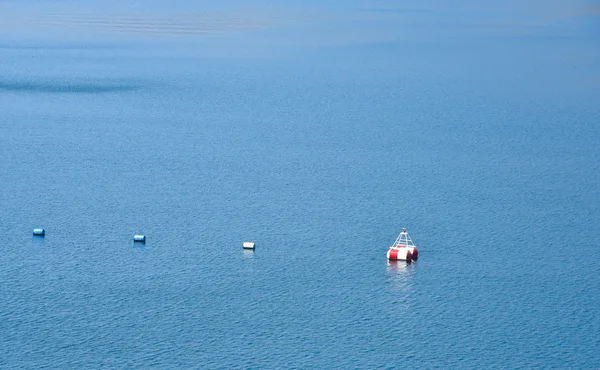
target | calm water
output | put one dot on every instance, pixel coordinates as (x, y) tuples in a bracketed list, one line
[(317, 131)]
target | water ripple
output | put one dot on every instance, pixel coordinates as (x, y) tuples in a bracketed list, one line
[(168, 25), (68, 87)]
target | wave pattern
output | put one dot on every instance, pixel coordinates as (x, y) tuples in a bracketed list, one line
[(48, 86), (167, 25)]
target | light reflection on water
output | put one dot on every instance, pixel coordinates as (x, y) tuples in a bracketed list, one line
[(400, 274), (248, 254), (37, 241)]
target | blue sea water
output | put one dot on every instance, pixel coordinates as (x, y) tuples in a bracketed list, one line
[(318, 131)]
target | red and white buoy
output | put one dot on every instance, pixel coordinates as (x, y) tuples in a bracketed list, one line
[(403, 249)]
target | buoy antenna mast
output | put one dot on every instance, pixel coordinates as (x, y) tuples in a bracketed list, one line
[(403, 240)]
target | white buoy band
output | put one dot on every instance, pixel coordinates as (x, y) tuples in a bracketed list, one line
[(39, 232), (139, 238)]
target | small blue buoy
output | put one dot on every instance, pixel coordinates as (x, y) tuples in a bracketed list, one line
[(139, 238), (39, 232)]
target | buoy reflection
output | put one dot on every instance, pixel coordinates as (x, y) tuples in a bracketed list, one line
[(400, 273), (248, 254), (397, 267), (37, 241)]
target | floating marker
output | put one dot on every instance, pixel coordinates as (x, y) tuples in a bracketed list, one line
[(139, 238), (248, 245), (403, 249), (39, 232)]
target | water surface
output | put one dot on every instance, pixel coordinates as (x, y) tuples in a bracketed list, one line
[(318, 132)]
